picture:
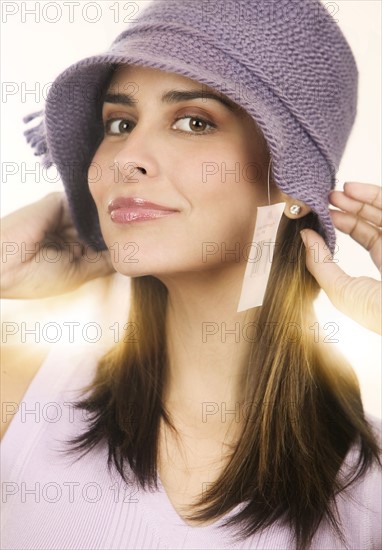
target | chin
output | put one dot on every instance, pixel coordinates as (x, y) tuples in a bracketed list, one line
[(132, 271), (142, 268)]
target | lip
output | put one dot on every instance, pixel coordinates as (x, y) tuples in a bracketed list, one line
[(135, 209), (137, 202)]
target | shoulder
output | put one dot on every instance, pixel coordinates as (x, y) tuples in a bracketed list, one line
[(57, 374), (20, 364)]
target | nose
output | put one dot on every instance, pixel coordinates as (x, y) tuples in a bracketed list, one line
[(127, 171), (136, 156)]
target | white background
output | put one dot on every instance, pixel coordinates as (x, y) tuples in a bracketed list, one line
[(36, 46)]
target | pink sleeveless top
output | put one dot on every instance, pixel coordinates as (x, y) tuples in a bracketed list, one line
[(51, 502)]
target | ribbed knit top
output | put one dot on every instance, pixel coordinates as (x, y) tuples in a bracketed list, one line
[(51, 502)]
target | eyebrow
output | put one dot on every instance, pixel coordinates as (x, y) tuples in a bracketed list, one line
[(176, 96)]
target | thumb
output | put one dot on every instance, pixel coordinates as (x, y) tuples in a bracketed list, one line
[(320, 262), (357, 297)]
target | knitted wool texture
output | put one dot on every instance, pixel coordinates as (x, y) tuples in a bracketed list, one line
[(286, 62)]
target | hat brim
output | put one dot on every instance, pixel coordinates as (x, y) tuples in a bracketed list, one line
[(74, 130)]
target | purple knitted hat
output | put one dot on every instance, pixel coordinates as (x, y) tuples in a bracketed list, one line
[(286, 62)]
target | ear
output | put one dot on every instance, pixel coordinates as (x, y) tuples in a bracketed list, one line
[(295, 208)]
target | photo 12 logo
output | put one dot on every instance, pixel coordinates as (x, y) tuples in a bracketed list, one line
[(69, 12)]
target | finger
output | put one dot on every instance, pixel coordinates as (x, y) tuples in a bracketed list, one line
[(66, 218), (364, 210), (53, 206), (319, 261), (31, 222), (364, 192), (357, 297), (365, 234), (91, 269)]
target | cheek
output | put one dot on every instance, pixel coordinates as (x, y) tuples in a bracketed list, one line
[(234, 163), (100, 175), (227, 195), (226, 175)]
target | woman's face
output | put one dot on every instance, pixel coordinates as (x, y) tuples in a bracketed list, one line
[(196, 156)]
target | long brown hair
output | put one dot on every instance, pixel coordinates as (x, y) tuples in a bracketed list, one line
[(303, 406)]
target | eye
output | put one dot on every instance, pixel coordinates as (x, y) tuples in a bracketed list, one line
[(195, 125), (117, 126)]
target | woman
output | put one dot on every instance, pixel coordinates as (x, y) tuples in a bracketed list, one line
[(265, 429)]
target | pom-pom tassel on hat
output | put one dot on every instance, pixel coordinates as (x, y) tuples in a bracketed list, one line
[(36, 137)]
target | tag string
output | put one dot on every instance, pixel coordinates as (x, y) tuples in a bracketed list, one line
[(269, 191)]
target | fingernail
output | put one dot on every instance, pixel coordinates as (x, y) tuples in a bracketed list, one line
[(331, 193), (303, 236)]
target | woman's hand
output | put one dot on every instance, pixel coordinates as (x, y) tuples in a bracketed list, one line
[(41, 255), (360, 216)]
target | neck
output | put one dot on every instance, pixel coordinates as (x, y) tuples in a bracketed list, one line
[(208, 350)]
